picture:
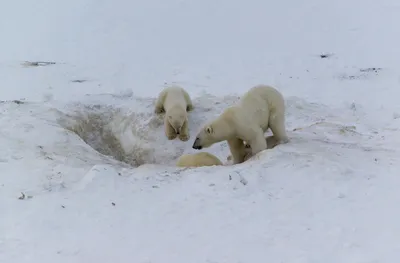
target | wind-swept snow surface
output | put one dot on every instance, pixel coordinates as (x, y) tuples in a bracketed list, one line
[(87, 174)]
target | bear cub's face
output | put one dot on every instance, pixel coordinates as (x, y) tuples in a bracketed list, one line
[(176, 118)]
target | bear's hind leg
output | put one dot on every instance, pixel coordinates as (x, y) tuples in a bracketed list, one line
[(169, 130), (159, 107), (277, 126), (189, 103), (184, 133), (237, 149)]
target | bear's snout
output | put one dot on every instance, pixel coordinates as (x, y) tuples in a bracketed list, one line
[(196, 144), (177, 127)]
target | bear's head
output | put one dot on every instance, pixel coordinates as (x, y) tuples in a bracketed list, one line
[(176, 117), (213, 132)]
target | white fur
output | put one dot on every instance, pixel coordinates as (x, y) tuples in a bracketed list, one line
[(198, 160), (260, 108), (271, 143), (175, 102)]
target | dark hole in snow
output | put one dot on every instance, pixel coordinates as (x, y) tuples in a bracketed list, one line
[(133, 138)]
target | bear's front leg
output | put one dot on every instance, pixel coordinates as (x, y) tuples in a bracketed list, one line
[(237, 149), (258, 143), (184, 133), (169, 130), (247, 155)]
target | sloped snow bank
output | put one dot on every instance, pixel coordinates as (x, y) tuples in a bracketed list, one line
[(323, 185), (63, 143)]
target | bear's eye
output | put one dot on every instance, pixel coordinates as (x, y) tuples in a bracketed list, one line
[(209, 130)]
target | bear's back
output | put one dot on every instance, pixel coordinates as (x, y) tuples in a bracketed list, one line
[(262, 100), (198, 160), (174, 97)]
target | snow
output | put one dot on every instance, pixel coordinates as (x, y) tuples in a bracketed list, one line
[(113, 194)]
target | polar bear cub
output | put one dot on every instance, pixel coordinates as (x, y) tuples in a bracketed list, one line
[(198, 160), (260, 108), (175, 102)]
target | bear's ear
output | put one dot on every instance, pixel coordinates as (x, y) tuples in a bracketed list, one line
[(209, 129)]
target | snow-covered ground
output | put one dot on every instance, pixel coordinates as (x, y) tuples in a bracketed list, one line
[(112, 195)]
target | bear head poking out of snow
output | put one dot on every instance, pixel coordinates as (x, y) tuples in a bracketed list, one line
[(260, 108), (175, 102), (198, 160)]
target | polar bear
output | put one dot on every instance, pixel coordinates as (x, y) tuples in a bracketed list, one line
[(271, 143), (175, 102), (260, 108), (198, 160)]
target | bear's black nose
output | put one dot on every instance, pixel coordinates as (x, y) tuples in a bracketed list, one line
[(196, 145)]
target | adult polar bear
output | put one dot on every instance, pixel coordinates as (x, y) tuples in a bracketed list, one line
[(175, 102), (260, 108)]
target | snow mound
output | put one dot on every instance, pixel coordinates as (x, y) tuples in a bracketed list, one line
[(80, 177), (123, 132)]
